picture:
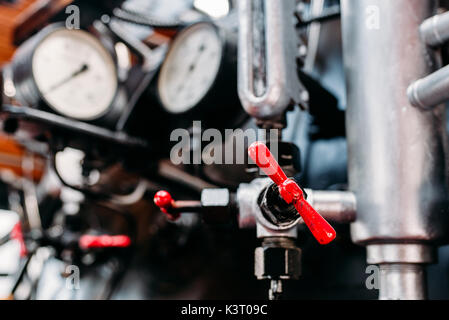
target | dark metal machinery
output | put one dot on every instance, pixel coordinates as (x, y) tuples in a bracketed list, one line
[(396, 203), (397, 166)]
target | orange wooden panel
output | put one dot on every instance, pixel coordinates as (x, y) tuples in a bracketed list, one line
[(9, 13), (11, 152), (12, 155), (23, 17)]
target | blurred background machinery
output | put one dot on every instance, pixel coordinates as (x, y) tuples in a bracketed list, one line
[(343, 93)]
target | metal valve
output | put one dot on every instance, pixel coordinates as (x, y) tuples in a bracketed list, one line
[(172, 208), (216, 205), (292, 193)]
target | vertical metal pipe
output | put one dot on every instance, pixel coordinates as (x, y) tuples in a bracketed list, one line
[(402, 282), (397, 165)]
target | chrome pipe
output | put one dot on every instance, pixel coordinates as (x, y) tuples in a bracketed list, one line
[(402, 282), (268, 82), (435, 30), (396, 152), (334, 206), (430, 91)]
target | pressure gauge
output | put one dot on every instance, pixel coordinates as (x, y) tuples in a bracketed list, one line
[(69, 71), (199, 72), (75, 74), (190, 68)]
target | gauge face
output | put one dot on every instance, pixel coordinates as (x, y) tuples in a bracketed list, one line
[(75, 74), (190, 68)]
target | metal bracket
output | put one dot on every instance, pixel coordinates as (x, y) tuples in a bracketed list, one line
[(268, 82)]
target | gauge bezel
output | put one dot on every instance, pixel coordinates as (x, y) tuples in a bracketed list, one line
[(106, 50), (27, 89), (181, 35)]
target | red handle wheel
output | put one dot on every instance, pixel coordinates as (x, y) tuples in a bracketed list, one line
[(292, 193)]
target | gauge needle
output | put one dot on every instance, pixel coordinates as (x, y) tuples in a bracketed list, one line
[(197, 58), (192, 66), (81, 70)]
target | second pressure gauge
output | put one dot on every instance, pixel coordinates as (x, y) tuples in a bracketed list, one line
[(190, 68), (198, 76), (69, 71)]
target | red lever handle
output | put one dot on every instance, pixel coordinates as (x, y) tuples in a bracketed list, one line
[(165, 202), (104, 241), (292, 193)]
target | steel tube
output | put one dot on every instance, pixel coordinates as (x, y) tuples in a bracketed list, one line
[(435, 30), (335, 206), (397, 167), (402, 282), (411, 253), (430, 91)]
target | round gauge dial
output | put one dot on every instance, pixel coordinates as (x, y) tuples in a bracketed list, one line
[(74, 73), (190, 68)]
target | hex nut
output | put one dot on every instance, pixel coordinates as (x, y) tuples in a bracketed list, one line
[(277, 263), (216, 205)]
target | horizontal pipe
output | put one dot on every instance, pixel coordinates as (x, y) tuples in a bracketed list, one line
[(435, 30), (430, 91), (396, 152), (334, 206)]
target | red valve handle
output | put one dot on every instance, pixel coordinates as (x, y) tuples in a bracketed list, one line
[(165, 202), (104, 241), (292, 193)]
